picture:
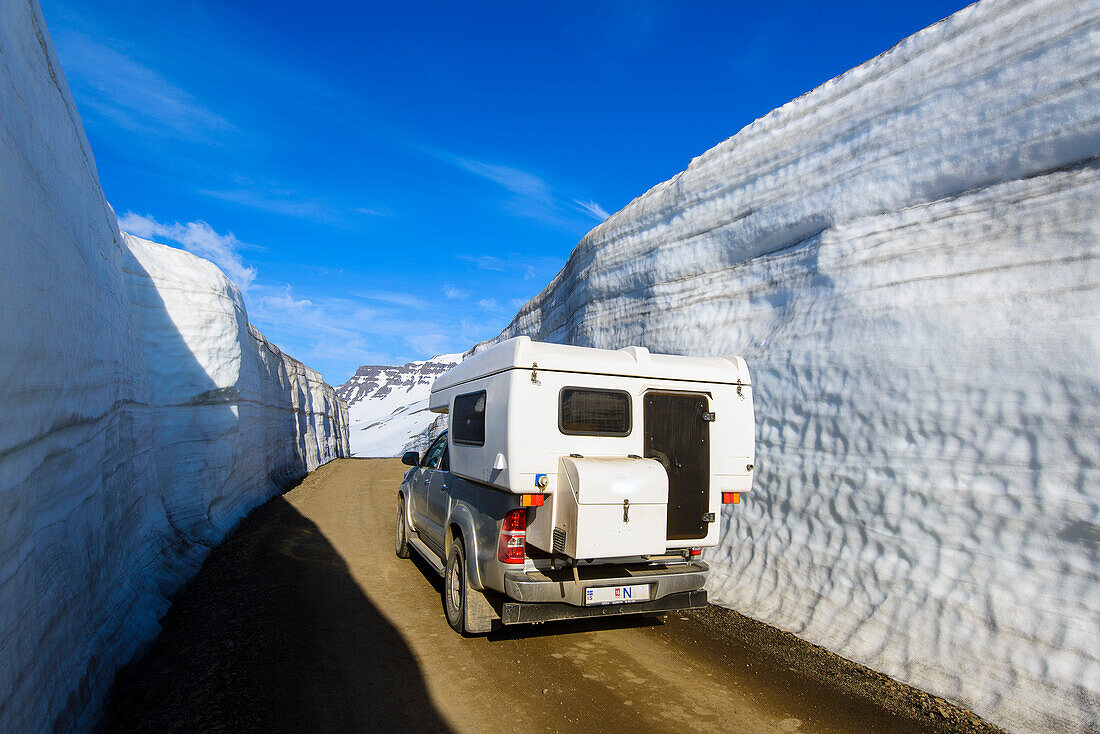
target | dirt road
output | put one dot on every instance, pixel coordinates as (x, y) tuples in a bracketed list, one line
[(304, 620)]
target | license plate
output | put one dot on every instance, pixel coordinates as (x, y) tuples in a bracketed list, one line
[(616, 594)]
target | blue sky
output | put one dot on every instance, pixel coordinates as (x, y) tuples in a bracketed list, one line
[(389, 181)]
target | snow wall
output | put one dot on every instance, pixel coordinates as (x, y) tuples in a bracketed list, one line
[(906, 257), (142, 415)]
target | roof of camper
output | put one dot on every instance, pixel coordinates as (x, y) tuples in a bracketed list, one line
[(521, 352)]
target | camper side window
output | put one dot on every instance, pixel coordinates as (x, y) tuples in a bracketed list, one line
[(590, 412), (468, 419)]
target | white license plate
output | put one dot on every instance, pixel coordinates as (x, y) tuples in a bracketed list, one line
[(616, 594)]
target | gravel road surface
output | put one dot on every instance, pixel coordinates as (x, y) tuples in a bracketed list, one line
[(304, 620)]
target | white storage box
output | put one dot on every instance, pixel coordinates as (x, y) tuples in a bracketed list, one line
[(609, 508)]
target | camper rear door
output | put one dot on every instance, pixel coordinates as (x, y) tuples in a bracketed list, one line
[(678, 436)]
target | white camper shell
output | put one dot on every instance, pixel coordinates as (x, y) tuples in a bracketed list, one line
[(632, 452)]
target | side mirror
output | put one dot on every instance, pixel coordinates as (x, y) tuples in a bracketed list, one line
[(411, 458)]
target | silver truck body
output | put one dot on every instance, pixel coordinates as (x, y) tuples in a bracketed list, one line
[(438, 510)]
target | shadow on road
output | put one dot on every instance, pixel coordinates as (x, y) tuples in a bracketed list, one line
[(578, 627), (274, 635)]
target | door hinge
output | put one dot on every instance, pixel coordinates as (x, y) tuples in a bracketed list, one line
[(708, 517), (626, 510), (709, 417)]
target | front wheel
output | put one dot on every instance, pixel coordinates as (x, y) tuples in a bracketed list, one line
[(455, 587), (401, 538)]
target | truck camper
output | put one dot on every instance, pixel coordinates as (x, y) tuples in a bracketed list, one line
[(576, 482)]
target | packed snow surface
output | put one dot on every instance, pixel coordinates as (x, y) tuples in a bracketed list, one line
[(143, 415), (388, 406), (906, 257)]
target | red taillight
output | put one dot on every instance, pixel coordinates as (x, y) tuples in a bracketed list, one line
[(696, 551), (514, 522), (731, 498), (513, 537)]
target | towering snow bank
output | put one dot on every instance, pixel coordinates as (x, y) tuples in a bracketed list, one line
[(907, 258), (233, 417), (141, 415), (388, 406)]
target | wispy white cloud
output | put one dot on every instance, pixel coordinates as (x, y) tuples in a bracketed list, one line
[(335, 333), (317, 331), (522, 183), (485, 262), (198, 238), (473, 330), (394, 298), (348, 332), (494, 308), (593, 209), (328, 326), (529, 267), (291, 204), (431, 344), (530, 195), (133, 96)]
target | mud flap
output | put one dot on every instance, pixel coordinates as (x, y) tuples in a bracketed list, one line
[(480, 614)]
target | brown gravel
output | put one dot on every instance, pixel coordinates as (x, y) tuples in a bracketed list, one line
[(304, 620)]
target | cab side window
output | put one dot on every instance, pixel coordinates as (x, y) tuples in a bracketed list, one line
[(431, 459)]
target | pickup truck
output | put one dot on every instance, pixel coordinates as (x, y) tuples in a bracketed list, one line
[(471, 534), (574, 482)]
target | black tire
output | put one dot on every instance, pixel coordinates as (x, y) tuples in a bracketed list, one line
[(455, 587), (401, 538)]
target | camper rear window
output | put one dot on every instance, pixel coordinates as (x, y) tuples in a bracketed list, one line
[(589, 412), (468, 419)]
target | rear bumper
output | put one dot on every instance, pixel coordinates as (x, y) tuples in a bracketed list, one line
[(529, 612), (559, 587)]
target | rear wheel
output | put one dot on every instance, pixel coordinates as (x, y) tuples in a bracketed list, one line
[(455, 587), (401, 538)]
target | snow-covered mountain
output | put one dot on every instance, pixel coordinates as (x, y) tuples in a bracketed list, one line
[(388, 406), (907, 258)]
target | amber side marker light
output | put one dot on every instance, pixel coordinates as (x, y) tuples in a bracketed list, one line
[(731, 498)]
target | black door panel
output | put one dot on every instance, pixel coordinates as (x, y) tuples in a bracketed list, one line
[(677, 436)]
